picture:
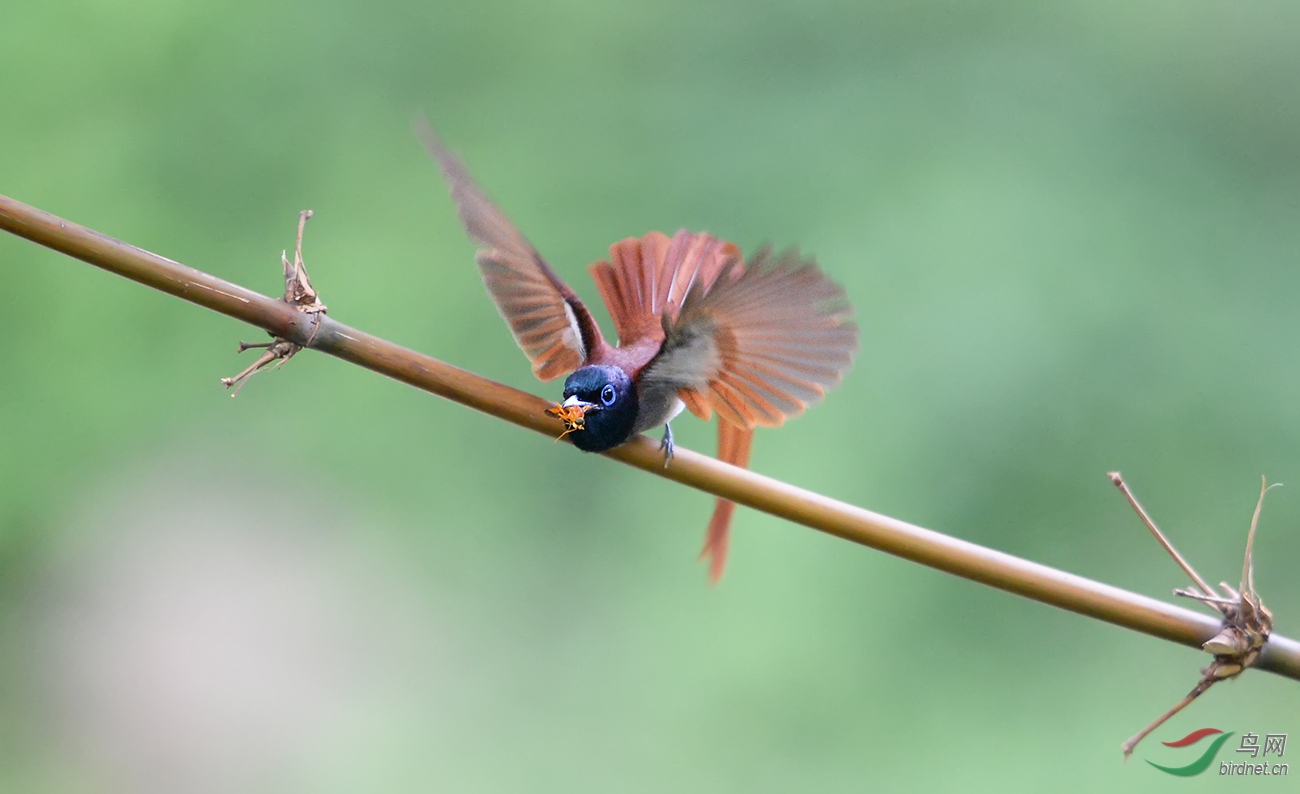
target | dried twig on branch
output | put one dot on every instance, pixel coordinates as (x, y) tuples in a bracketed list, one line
[(1247, 623), (299, 294)]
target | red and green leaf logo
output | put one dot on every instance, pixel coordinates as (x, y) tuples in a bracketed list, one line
[(1200, 764)]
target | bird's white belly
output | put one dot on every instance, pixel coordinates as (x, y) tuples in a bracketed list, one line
[(657, 409)]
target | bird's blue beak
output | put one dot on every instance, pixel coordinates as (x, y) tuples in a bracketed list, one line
[(574, 402)]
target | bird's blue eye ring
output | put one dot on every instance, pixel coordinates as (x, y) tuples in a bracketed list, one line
[(607, 394)]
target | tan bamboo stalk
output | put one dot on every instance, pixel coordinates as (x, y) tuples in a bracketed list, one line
[(1101, 601)]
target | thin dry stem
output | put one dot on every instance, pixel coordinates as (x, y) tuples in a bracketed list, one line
[(1248, 565), (277, 352), (1196, 692), (1197, 595), (1118, 480)]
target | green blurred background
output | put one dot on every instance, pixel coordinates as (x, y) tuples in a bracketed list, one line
[(1069, 232)]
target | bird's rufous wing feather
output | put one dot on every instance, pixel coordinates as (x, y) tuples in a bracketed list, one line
[(733, 448), (646, 278), (758, 345), (549, 322)]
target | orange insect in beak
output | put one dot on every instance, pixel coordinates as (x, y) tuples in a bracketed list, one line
[(573, 413)]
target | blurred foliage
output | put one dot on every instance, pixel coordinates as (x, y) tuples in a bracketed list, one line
[(1069, 232)]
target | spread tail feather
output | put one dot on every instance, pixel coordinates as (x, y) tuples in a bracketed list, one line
[(646, 279)]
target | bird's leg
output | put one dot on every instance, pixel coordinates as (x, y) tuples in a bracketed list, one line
[(667, 444)]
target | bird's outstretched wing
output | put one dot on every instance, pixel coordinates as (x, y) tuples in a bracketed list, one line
[(758, 345), (549, 322)]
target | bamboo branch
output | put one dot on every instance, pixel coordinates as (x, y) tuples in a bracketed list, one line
[(986, 566)]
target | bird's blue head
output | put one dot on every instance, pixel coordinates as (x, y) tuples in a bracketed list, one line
[(613, 400)]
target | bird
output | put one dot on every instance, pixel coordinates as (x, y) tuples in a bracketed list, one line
[(698, 328)]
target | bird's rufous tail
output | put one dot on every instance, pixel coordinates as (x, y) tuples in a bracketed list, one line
[(733, 448)]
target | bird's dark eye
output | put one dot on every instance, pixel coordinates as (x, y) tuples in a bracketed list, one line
[(607, 394)]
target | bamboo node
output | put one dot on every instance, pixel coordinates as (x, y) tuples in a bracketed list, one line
[(1247, 623), (298, 293)]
